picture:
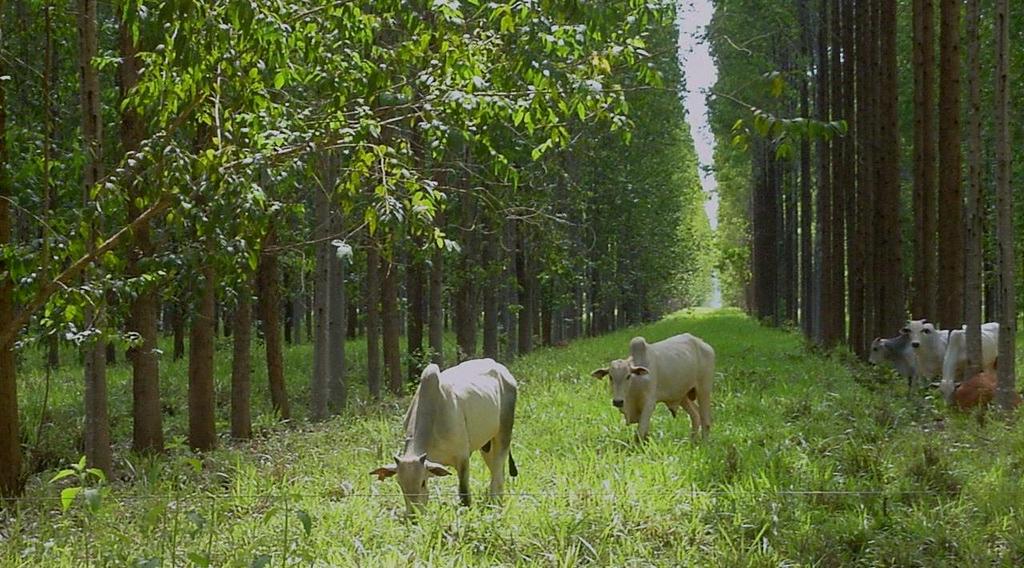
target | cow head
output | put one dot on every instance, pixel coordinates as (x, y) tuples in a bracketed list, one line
[(621, 372), (877, 353), (918, 332), (412, 473)]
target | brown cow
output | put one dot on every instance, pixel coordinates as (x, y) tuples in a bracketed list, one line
[(979, 390)]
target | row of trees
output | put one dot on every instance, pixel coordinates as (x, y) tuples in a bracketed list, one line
[(839, 245), (522, 172)]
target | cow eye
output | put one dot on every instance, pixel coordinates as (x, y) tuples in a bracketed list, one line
[(905, 331), (927, 331)]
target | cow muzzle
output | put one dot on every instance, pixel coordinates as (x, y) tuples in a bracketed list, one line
[(618, 403), (915, 344)]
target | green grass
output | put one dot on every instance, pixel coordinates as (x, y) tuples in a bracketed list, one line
[(786, 421)]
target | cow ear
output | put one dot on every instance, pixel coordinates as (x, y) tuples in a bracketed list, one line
[(640, 371), (436, 469), (600, 373), (385, 471)]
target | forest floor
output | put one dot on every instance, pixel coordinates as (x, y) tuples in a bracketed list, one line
[(812, 460)]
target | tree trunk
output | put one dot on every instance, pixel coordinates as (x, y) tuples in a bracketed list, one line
[(840, 181), (826, 220), (97, 425), (178, 327), (525, 305), (10, 443), (337, 386), (298, 313), (241, 365), (270, 311), (854, 258), (924, 300), (951, 236), (974, 204), (202, 434), (390, 319), (864, 318), (373, 327), (352, 321), (147, 424), (892, 305), (806, 211), (318, 386), (1006, 391), (289, 311), (435, 321), (414, 285)]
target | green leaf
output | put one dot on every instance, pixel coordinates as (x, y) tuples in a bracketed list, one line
[(98, 473), (62, 474), (306, 520), (67, 496)]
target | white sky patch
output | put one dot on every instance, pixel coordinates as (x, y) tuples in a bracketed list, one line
[(701, 74)]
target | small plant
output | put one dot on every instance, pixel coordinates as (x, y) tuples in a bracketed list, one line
[(91, 483)]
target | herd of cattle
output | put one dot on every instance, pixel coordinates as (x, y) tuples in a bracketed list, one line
[(472, 406), (922, 351)]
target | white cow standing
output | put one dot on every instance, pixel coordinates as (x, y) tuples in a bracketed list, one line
[(468, 407), (929, 344), (676, 371), (954, 364)]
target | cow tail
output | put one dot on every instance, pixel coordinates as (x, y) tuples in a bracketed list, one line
[(512, 469)]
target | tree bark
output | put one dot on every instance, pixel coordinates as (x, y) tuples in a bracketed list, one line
[(10, 444), (840, 181), (892, 304), (525, 305), (864, 318), (202, 434), (97, 425), (337, 386), (390, 319), (925, 299), (147, 424), (854, 255), (321, 307), (974, 204), (241, 365), (826, 220), (373, 324), (1006, 390), (270, 316), (466, 294), (414, 286), (951, 237), (435, 321), (806, 208)]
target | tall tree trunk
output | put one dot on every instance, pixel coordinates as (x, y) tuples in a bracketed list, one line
[(10, 444), (97, 425), (925, 299), (289, 313), (270, 315), (465, 294), (1006, 391), (202, 434), (373, 327), (241, 365), (336, 301), (863, 318), (854, 252), (298, 302), (352, 320), (525, 305), (806, 211), (892, 306), (435, 320), (492, 285), (178, 328), (318, 386), (840, 181), (951, 237), (826, 220), (147, 426), (414, 286), (974, 204), (390, 318)]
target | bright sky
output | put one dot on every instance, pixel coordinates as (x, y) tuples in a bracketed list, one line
[(701, 75)]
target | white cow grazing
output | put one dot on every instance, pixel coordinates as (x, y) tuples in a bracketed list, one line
[(676, 371), (955, 363), (898, 353), (929, 344), (467, 407)]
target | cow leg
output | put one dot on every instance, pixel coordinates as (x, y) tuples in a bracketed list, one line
[(704, 407), (495, 460), (695, 420), (645, 422), (463, 469)]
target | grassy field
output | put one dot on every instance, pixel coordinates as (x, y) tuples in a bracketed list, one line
[(812, 460)]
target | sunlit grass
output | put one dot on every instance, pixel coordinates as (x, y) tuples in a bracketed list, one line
[(891, 486)]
